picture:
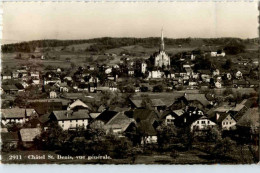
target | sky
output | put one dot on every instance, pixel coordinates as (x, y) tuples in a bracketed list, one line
[(80, 20)]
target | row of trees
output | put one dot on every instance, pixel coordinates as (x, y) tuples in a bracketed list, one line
[(109, 43)]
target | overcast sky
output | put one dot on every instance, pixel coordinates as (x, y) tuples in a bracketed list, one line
[(79, 20)]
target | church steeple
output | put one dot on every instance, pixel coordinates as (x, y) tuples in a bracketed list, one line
[(162, 41)]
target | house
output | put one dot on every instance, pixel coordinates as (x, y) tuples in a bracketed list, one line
[(103, 118), (10, 89), (6, 75), (15, 75), (218, 84), (147, 122), (35, 81), (226, 121), (17, 115), (53, 94), (120, 124), (64, 87), (108, 70), (9, 140), (168, 117), (51, 80), (143, 67), (77, 104), (28, 135), (93, 80), (155, 74), (131, 72), (203, 123), (102, 89), (70, 120), (35, 74), (157, 104), (238, 75), (92, 87), (249, 122), (20, 87), (43, 107), (216, 72), (197, 100)]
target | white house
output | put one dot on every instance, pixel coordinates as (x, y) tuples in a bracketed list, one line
[(216, 72), (69, 120), (239, 74), (16, 115), (108, 70), (53, 94), (228, 122), (155, 74), (218, 84), (202, 123), (143, 67)]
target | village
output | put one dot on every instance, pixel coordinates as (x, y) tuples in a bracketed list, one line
[(153, 104)]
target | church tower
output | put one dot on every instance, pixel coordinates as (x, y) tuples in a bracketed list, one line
[(162, 59), (162, 41)]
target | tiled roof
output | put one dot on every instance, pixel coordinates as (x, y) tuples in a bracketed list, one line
[(197, 97), (106, 116), (119, 121), (71, 115), (250, 118), (144, 114), (9, 136), (16, 112)]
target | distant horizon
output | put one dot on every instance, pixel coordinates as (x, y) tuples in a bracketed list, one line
[(131, 37), (79, 21)]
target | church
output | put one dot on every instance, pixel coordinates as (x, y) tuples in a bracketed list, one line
[(162, 59)]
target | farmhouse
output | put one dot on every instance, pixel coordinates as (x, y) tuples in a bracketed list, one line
[(203, 123), (120, 124), (17, 115), (70, 120)]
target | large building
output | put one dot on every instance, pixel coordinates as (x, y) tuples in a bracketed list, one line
[(162, 59)]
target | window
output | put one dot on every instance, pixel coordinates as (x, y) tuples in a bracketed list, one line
[(229, 122), (203, 122), (62, 121), (70, 120), (198, 122), (76, 121), (208, 122)]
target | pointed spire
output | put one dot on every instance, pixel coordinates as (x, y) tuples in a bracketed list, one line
[(162, 41)]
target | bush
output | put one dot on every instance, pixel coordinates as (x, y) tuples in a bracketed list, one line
[(158, 88), (174, 154)]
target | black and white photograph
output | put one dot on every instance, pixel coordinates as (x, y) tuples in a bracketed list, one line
[(154, 83)]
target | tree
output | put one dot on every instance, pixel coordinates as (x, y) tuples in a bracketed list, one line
[(227, 64), (158, 88), (146, 103), (51, 139), (234, 47), (166, 135)]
